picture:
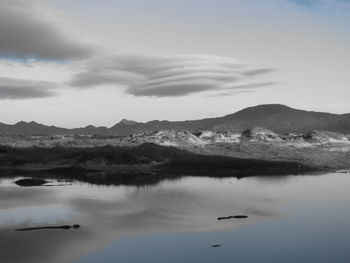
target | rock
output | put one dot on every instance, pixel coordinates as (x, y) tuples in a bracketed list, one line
[(30, 182), (217, 245), (225, 217), (65, 227), (240, 216), (229, 217), (325, 137), (59, 227)]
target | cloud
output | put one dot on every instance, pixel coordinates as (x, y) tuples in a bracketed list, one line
[(244, 88), (169, 76), (324, 5), (252, 85), (257, 72), (27, 32), (24, 89)]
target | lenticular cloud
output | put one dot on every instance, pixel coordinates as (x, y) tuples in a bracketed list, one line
[(25, 89), (170, 75)]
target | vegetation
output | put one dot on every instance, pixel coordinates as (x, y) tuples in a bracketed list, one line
[(145, 153), (168, 159)]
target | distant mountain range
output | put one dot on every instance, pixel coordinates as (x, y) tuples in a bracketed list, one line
[(276, 117)]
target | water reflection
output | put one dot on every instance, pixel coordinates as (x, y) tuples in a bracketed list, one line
[(121, 218)]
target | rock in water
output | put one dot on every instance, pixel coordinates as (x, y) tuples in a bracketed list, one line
[(229, 217), (30, 182), (240, 216), (65, 227), (216, 246)]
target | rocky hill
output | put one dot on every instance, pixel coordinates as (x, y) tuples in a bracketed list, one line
[(184, 138)]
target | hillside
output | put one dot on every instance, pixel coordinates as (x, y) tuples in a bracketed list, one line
[(283, 119)]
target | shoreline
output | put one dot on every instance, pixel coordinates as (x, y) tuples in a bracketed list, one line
[(142, 177), (150, 163)]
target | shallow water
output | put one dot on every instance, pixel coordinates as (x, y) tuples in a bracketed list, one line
[(290, 219)]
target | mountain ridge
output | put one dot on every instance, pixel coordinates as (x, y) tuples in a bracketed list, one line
[(277, 117)]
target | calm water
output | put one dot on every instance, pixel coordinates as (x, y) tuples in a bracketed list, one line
[(291, 219)]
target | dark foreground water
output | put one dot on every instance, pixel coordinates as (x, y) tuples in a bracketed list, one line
[(290, 219)]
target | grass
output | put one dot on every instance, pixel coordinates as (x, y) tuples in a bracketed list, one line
[(173, 159), (145, 153)]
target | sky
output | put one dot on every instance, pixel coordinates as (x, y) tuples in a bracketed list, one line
[(72, 63)]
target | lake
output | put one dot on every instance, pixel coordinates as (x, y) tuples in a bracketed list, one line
[(290, 219)]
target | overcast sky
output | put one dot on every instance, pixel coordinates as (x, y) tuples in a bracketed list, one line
[(77, 62)]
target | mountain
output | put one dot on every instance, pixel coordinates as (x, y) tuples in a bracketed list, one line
[(276, 117), (127, 122), (283, 119), (32, 128)]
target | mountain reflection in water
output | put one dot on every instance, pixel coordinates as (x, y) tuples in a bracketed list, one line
[(290, 219)]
